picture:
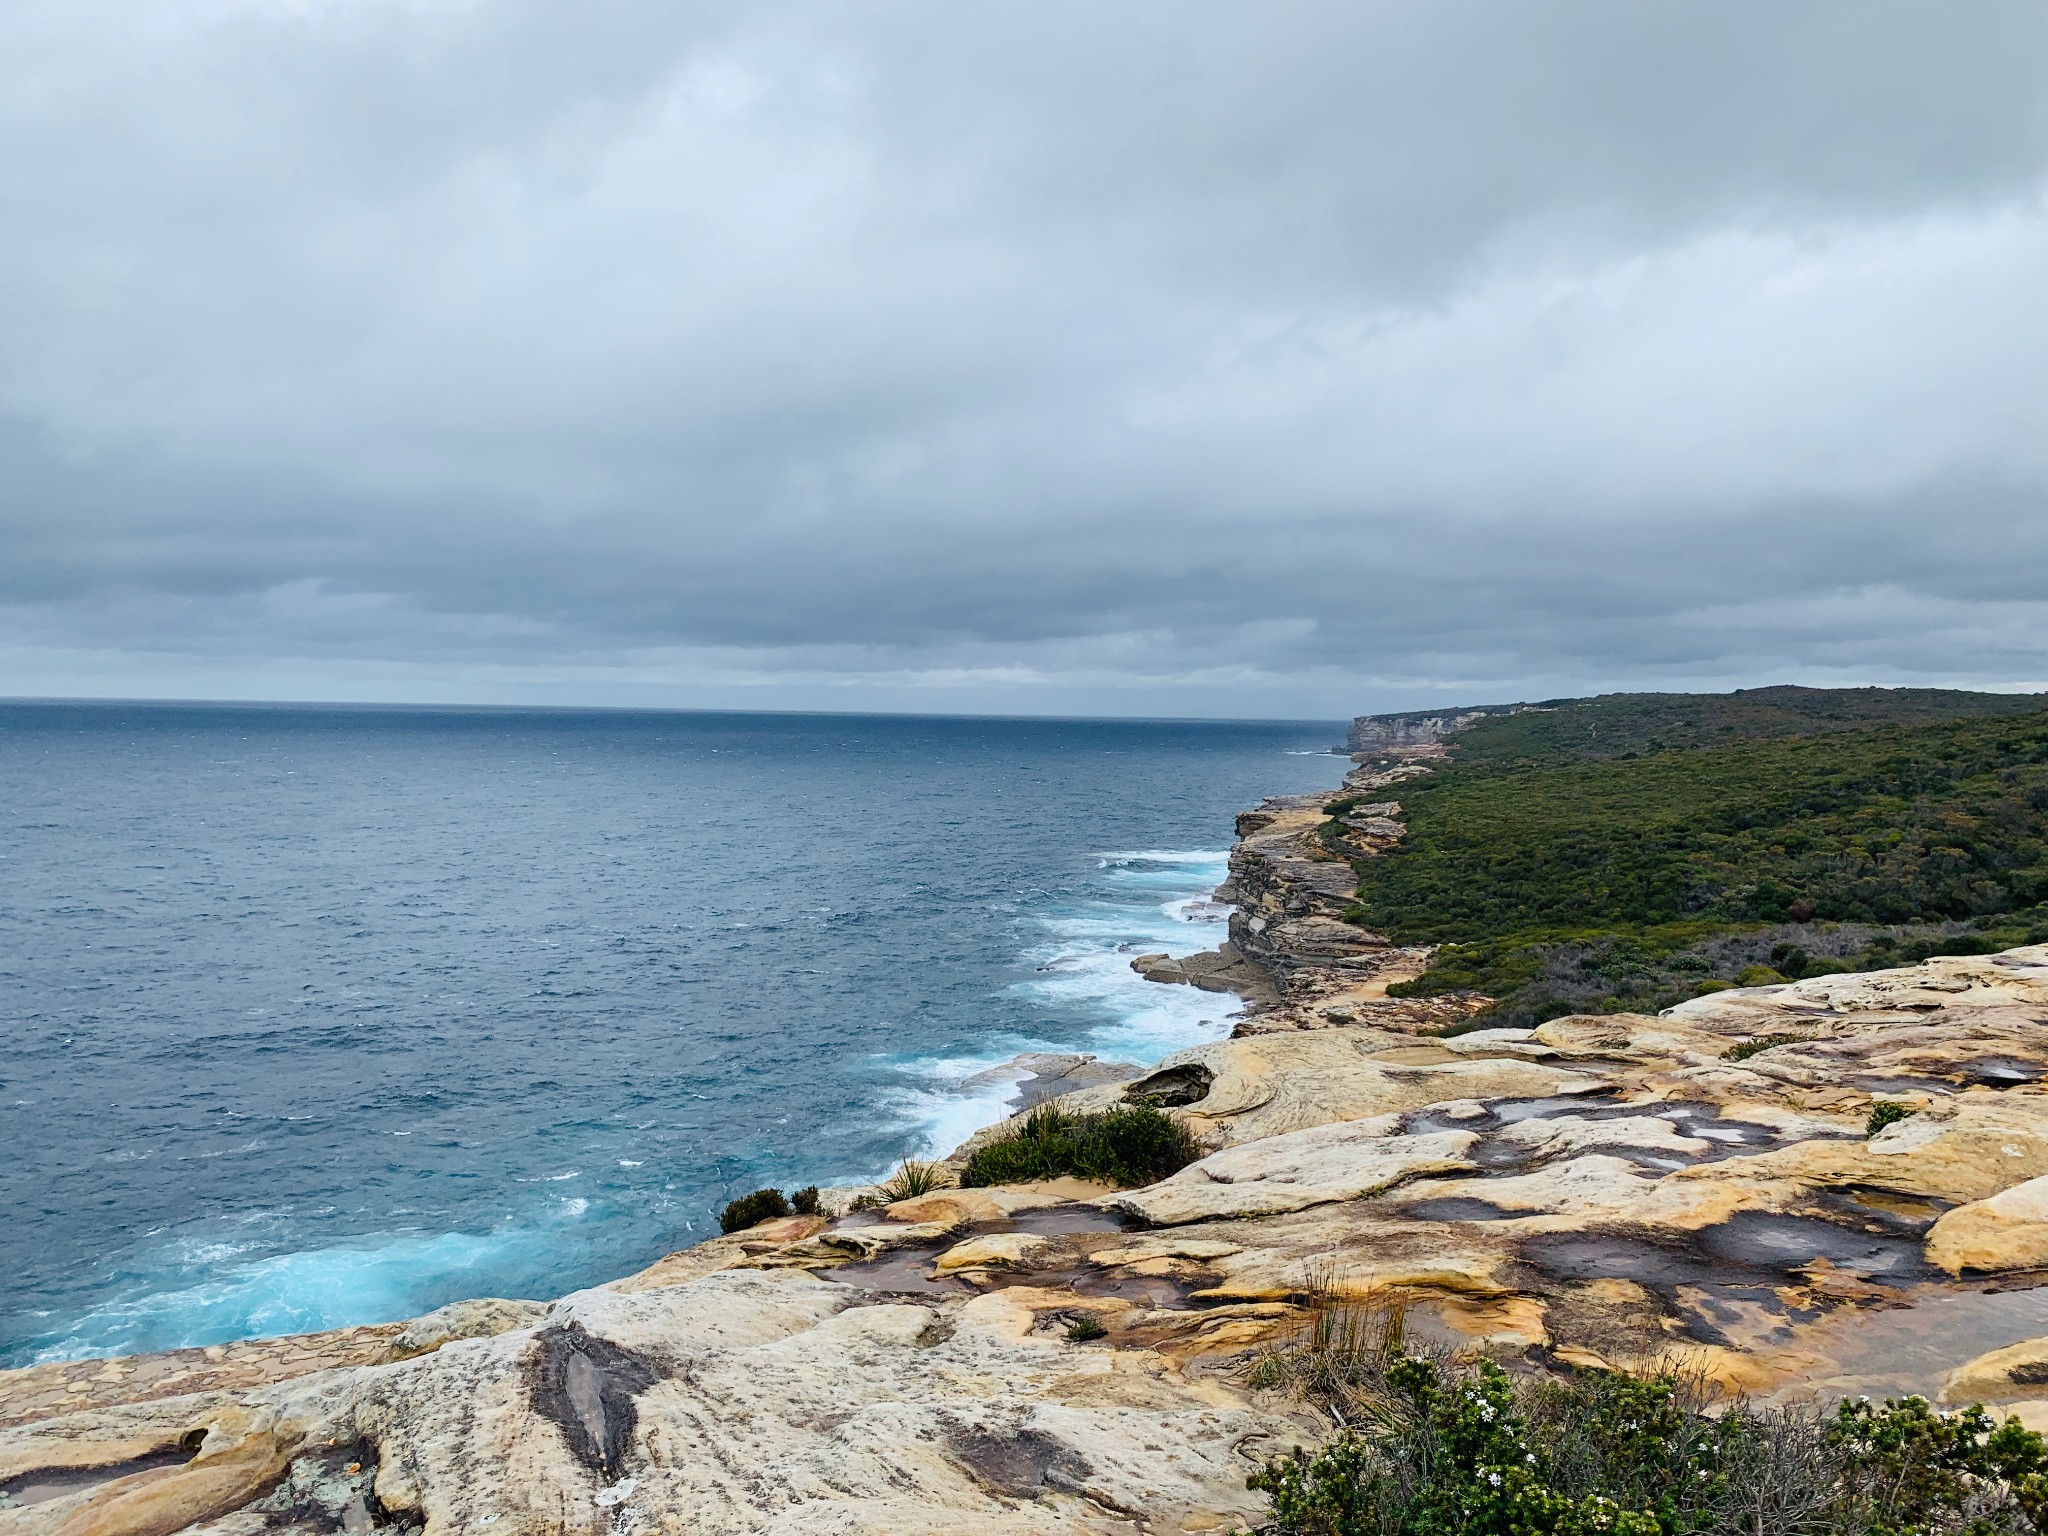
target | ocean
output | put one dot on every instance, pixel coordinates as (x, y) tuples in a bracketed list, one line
[(327, 1015)]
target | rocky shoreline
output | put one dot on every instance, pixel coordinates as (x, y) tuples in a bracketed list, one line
[(1706, 1186)]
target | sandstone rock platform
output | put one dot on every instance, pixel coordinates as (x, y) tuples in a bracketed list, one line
[(1606, 1189)]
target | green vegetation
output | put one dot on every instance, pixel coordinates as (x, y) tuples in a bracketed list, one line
[(1126, 1146), (1443, 1449), (911, 1180), (1750, 1048), (1630, 852), (1883, 1113), (1085, 1327), (805, 1201), (750, 1210), (1632, 724)]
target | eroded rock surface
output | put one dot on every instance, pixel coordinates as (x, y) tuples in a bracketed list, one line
[(746, 1401), (1599, 1190)]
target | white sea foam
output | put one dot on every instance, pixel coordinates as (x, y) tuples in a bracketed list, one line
[(1153, 900), (949, 1111), (194, 1292), (1189, 856)]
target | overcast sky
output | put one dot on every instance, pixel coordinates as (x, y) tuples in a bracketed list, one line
[(1167, 358)]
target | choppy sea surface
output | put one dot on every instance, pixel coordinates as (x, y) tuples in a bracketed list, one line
[(320, 1016)]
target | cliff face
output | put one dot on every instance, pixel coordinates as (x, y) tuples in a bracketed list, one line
[(1376, 733), (1291, 881)]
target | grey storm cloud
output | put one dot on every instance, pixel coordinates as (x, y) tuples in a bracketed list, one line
[(1192, 358)]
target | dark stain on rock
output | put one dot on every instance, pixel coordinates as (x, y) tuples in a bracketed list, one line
[(587, 1385), (1458, 1208), (1171, 1087), (1769, 1241), (1876, 1210), (1022, 1464)]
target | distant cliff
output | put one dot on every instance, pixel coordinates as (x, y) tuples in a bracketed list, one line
[(1375, 733), (1618, 724)]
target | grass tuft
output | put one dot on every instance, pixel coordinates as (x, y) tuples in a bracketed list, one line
[(911, 1180)]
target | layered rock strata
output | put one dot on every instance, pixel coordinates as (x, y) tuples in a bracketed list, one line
[(1377, 733), (1294, 954)]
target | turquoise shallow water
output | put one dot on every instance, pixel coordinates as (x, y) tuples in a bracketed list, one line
[(320, 1015)]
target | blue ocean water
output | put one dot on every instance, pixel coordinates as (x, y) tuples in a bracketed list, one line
[(319, 1016)]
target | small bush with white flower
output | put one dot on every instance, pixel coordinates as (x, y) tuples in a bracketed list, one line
[(1450, 1450)]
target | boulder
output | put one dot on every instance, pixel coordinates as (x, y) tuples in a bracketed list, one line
[(2001, 1376), (2008, 1231)]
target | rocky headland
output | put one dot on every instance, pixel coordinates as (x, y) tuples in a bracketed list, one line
[(1706, 1184)]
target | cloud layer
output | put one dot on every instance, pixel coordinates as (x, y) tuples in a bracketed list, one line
[(1188, 358)]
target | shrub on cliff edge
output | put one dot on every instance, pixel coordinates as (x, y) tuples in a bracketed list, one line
[(748, 1210), (1126, 1147)]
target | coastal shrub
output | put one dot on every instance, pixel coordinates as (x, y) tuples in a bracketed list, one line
[(805, 1201), (1448, 1448), (1961, 944), (1760, 976), (1085, 1327), (1883, 1113), (1126, 1146), (1537, 976), (911, 1180), (750, 1210), (1749, 1048), (1790, 960)]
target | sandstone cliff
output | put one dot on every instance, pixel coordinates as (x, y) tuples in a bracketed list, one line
[(1601, 1190), (1375, 733)]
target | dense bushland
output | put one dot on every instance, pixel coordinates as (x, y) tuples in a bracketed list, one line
[(1630, 724), (1566, 880)]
